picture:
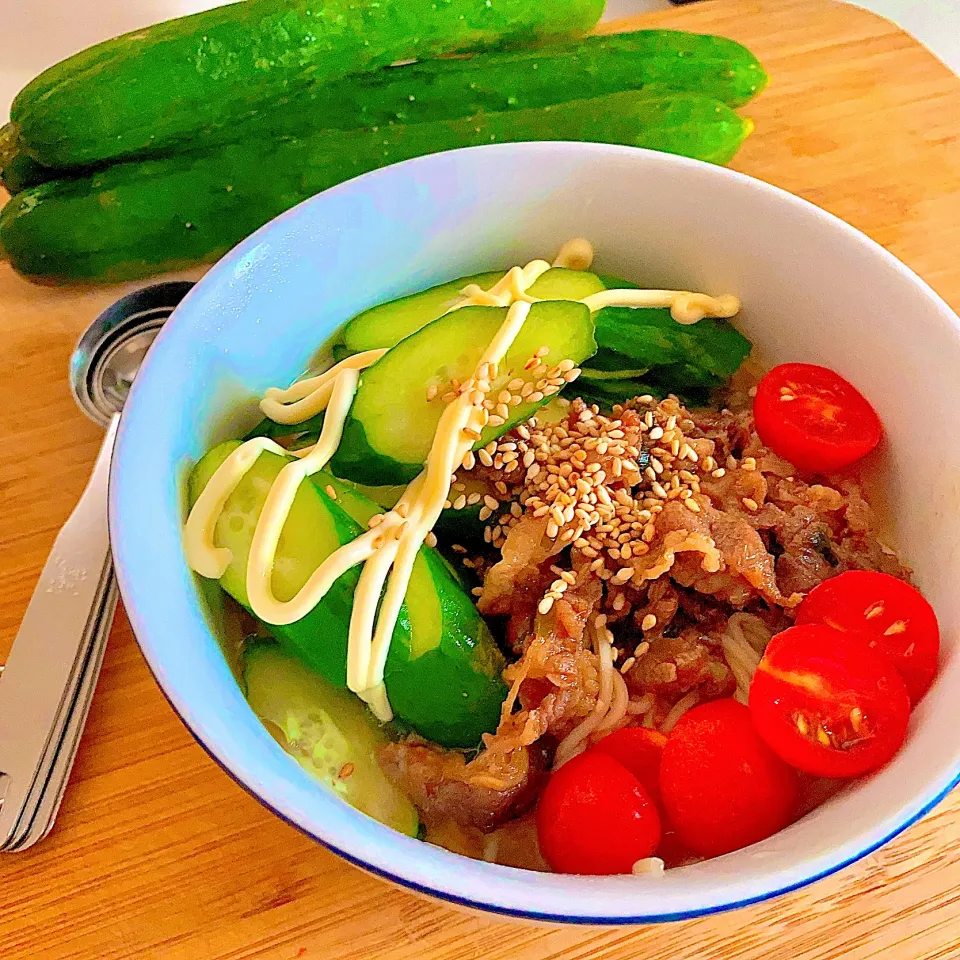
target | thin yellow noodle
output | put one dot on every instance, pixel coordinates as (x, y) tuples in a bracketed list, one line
[(642, 706), (618, 707), (741, 653), (678, 710), (573, 743)]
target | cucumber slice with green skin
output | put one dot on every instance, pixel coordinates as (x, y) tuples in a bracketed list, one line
[(384, 326), (443, 670), (278, 431), (464, 526), (391, 425), (329, 732), (388, 323), (559, 283)]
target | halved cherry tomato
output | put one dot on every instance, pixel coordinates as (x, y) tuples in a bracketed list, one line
[(640, 750), (893, 617), (814, 418), (594, 817), (827, 704), (723, 788)]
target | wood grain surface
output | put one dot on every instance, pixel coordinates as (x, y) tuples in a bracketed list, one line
[(158, 854)]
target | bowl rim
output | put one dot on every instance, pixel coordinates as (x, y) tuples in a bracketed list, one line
[(927, 798)]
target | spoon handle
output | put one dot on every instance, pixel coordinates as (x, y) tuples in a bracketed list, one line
[(40, 672)]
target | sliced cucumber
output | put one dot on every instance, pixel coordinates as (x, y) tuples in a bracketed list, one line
[(443, 669), (327, 731), (388, 323), (464, 525), (391, 425), (559, 283)]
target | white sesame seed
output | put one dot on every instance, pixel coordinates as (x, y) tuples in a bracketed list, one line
[(544, 606), (874, 610), (648, 623)]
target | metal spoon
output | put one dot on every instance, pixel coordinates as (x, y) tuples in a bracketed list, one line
[(48, 681)]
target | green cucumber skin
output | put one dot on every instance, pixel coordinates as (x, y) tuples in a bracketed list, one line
[(383, 424), (451, 694), (156, 86), (660, 60), (386, 324), (21, 172), (136, 219)]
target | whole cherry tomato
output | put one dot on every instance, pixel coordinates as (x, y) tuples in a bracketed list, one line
[(723, 788), (594, 817)]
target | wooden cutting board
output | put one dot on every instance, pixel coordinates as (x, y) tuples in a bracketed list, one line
[(158, 854)]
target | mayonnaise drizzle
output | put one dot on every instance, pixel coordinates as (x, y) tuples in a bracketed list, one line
[(276, 508), (685, 307), (389, 549), (510, 288), (305, 398), (203, 555), (575, 254)]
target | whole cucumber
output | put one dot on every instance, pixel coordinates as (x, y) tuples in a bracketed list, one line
[(157, 86), (135, 219), (660, 60), (22, 171)]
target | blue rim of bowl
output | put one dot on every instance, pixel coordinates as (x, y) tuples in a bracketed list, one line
[(518, 913)]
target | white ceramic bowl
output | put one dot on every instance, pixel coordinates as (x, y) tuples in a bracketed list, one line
[(813, 289)]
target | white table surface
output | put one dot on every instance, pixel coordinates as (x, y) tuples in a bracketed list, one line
[(37, 33)]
